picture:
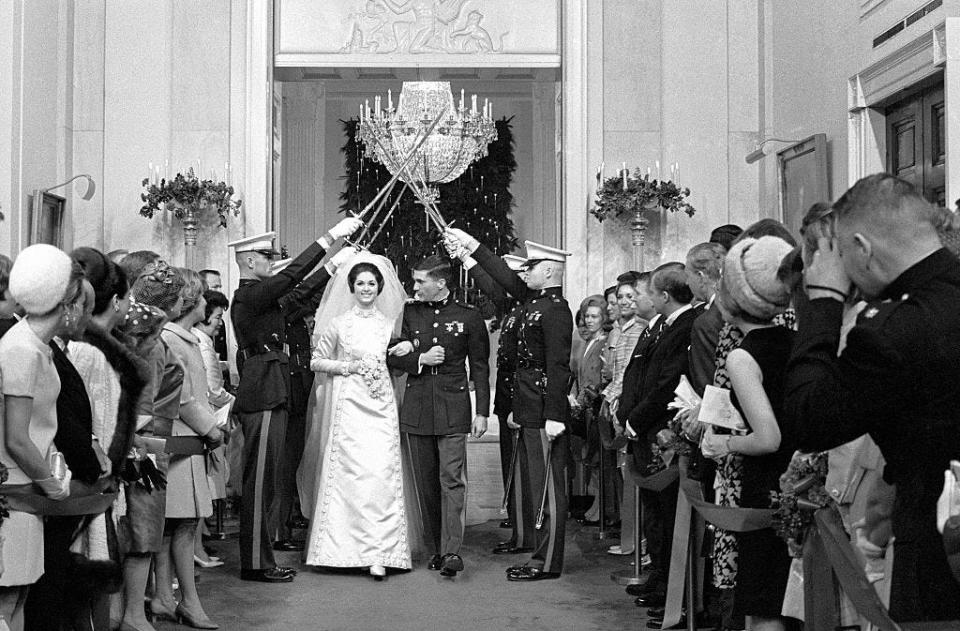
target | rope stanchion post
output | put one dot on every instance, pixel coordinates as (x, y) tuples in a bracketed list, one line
[(632, 576), (602, 496)]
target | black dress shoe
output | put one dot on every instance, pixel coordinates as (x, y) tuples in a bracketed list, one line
[(272, 575), (516, 568), (451, 564), (510, 548), (435, 562), (531, 574), (506, 523), (656, 613), (288, 545), (287, 570), (651, 600)]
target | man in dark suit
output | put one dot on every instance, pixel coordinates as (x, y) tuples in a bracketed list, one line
[(897, 376), (435, 416), (654, 372)]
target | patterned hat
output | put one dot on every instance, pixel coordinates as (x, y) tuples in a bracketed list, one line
[(160, 288), (142, 321)]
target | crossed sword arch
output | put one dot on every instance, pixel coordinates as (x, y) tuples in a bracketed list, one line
[(374, 209), (400, 167)]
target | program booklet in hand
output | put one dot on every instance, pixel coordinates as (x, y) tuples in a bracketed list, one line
[(717, 410)]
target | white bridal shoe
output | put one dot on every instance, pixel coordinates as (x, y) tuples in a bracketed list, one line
[(378, 572)]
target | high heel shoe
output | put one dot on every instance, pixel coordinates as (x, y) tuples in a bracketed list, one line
[(155, 610), (378, 572), (211, 562), (187, 618)]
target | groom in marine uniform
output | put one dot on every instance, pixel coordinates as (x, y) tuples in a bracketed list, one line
[(262, 395), (441, 336), (542, 382)]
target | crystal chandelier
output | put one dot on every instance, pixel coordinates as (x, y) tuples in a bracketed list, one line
[(456, 136)]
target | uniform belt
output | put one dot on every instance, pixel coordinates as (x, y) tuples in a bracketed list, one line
[(529, 362), (442, 370), (253, 351)]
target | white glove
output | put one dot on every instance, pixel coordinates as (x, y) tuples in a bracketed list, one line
[(875, 566), (346, 227), (341, 257), (453, 247), (56, 489), (554, 429), (469, 243)]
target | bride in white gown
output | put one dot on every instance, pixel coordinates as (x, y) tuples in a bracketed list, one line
[(359, 517)]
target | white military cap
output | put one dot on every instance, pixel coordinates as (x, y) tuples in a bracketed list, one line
[(537, 252), (262, 243), (516, 263)]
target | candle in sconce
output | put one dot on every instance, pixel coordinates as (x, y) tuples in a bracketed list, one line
[(658, 169), (461, 100), (150, 172), (625, 175), (166, 170), (389, 99), (473, 106)]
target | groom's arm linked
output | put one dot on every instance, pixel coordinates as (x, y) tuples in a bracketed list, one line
[(409, 363)]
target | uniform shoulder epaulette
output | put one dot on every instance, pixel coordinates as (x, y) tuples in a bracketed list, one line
[(876, 313)]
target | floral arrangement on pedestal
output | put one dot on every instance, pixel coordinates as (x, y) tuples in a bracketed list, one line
[(186, 195), (637, 195)]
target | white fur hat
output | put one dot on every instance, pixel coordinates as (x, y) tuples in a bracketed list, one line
[(750, 276), (39, 278)]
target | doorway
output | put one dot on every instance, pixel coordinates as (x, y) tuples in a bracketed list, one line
[(916, 142)]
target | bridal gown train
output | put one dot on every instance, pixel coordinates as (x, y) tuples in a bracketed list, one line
[(359, 517)]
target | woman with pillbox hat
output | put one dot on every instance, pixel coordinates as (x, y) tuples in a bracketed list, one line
[(47, 285), (750, 296)]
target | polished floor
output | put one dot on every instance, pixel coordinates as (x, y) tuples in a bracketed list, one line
[(584, 598)]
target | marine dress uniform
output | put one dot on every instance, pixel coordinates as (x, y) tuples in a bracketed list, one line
[(896, 380), (297, 306), (520, 509), (263, 396), (541, 384), (435, 416)]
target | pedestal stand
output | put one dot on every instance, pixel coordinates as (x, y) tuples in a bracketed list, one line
[(602, 497), (638, 231), (190, 231)]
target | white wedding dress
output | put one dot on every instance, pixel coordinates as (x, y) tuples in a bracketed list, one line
[(359, 516)]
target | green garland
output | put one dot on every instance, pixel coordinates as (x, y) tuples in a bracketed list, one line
[(188, 190), (479, 202), (641, 192)]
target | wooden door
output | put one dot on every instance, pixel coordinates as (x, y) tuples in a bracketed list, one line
[(916, 148)]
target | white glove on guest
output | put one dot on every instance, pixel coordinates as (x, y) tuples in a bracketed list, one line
[(346, 227), (554, 429), (56, 489), (469, 243)]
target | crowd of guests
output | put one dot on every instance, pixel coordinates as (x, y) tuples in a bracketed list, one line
[(843, 346), (118, 445), (115, 415)]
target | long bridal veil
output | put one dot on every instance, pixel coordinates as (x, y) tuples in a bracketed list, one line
[(338, 299)]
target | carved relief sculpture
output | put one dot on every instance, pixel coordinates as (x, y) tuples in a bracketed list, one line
[(419, 27)]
